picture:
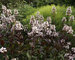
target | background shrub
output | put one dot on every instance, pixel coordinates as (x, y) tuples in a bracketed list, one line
[(46, 11), (25, 10), (37, 3)]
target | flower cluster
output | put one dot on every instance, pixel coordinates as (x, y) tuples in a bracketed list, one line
[(70, 55), (17, 26), (68, 29), (7, 18), (41, 27), (48, 33), (70, 17)]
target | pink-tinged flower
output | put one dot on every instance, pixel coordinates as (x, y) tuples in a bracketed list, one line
[(73, 49), (71, 18), (66, 28), (71, 58), (68, 11), (64, 19)]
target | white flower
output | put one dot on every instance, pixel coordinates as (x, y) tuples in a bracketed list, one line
[(62, 41), (67, 47), (32, 19), (67, 54), (4, 26), (4, 7), (37, 14), (31, 33), (40, 34), (71, 18), (64, 19), (17, 26), (70, 31), (9, 12), (49, 19), (54, 10), (73, 49), (3, 18), (53, 27), (55, 34), (3, 50), (68, 43), (49, 32), (35, 29), (68, 11), (45, 24), (12, 18), (16, 12), (36, 23), (66, 28)]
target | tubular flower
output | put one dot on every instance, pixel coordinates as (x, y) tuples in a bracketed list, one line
[(68, 29), (64, 19), (49, 19), (68, 11), (71, 18), (54, 10)]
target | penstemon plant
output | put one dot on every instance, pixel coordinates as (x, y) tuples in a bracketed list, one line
[(41, 42), (47, 42)]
